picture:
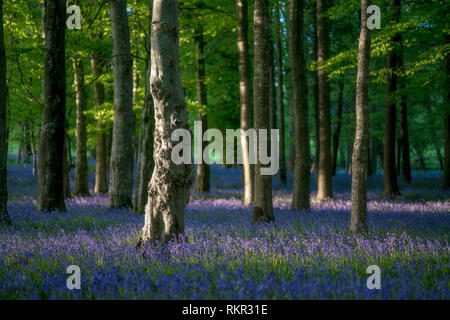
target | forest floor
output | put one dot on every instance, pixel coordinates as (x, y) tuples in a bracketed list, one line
[(300, 256)]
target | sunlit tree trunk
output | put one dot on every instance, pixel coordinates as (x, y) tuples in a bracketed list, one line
[(244, 91), (360, 156), (170, 183), (203, 169), (300, 199), (121, 163), (263, 208), (145, 157), (51, 150), (4, 216), (390, 186), (81, 187), (324, 185)]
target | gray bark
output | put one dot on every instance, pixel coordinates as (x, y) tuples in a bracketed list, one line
[(300, 199), (244, 90), (263, 207), (121, 163), (81, 187), (168, 191), (51, 149), (360, 155)]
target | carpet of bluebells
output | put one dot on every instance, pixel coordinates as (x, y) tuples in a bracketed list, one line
[(300, 256)]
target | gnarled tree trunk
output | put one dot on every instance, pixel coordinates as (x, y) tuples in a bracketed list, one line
[(169, 186)]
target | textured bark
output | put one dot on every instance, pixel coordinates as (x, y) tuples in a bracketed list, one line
[(300, 199), (390, 186), (4, 216), (360, 155), (244, 91), (101, 184), (446, 179), (263, 208), (121, 163), (81, 187), (203, 169), (145, 158), (324, 184), (51, 149), (169, 186), (281, 127), (337, 132)]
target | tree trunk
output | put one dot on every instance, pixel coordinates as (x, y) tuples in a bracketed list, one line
[(446, 179), (51, 149), (121, 165), (169, 186), (4, 216), (244, 91), (360, 155), (279, 58), (145, 158), (81, 187), (373, 155), (405, 149), (300, 199), (324, 184), (66, 168), (316, 94), (263, 208), (203, 169), (337, 132), (272, 89), (101, 184), (390, 186)]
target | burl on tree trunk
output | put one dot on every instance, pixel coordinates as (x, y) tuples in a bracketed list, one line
[(168, 191)]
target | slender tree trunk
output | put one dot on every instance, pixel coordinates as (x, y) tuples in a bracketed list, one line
[(66, 167), (33, 150), (51, 150), (291, 163), (300, 199), (81, 187), (337, 132), (360, 149), (170, 183), (390, 186), (324, 184), (439, 156), (272, 89), (145, 158), (101, 184), (263, 207), (19, 151), (121, 170), (244, 91), (446, 179), (373, 155), (203, 169), (4, 216), (316, 95), (405, 149), (279, 58)]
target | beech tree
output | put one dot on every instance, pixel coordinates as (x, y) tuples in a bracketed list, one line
[(203, 169), (121, 163), (263, 208), (244, 91), (390, 185), (360, 157), (145, 157), (324, 184), (169, 186), (300, 199), (81, 187), (4, 216), (51, 149)]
